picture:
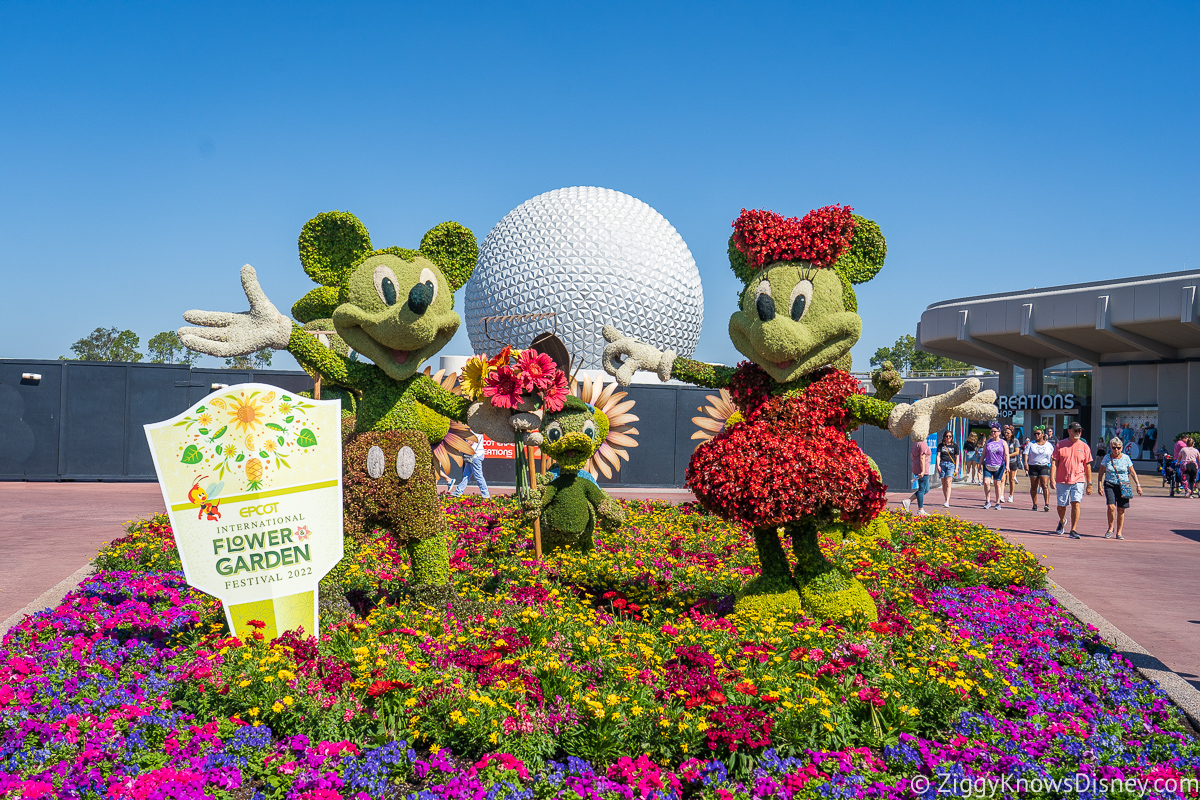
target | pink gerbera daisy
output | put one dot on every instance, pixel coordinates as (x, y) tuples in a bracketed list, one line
[(556, 392), (503, 387), (536, 370)]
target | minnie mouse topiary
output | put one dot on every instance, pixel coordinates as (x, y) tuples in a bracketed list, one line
[(789, 463)]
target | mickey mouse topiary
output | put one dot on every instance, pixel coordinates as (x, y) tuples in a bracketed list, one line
[(788, 463), (395, 307)]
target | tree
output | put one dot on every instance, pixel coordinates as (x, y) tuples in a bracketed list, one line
[(259, 359), (165, 348), (908, 359), (106, 344)]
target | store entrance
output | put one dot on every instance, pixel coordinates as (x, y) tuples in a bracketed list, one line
[(1056, 422)]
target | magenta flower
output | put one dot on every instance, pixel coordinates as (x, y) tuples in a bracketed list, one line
[(503, 388), (556, 393), (536, 370)]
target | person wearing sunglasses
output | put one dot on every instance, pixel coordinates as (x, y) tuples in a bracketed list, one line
[(1038, 454), (1115, 477)]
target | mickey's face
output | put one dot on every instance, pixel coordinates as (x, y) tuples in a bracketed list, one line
[(792, 321), (397, 313), (572, 436)]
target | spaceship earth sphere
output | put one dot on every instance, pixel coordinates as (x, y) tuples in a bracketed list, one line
[(594, 256)]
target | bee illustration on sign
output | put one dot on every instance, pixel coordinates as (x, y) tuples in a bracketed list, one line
[(203, 498)]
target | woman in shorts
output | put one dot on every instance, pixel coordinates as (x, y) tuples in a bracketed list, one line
[(971, 457), (995, 459), (1038, 455), (1014, 462), (1116, 473), (947, 461)]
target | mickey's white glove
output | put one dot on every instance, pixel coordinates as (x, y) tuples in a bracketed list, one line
[(934, 413), (228, 334), (626, 355)]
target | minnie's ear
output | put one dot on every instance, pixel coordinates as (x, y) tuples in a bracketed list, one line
[(454, 249), (330, 244), (739, 263), (868, 249)]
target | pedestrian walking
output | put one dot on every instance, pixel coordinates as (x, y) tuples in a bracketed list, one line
[(473, 469), (1014, 462), (1073, 476), (1189, 460), (971, 457), (1038, 454), (918, 456), (947, 458), (995, 458), (1118, 478)]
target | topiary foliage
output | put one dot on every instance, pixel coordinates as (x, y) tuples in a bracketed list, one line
[(330, 243), (868, 249), (394, 488), (454, 249), (317, 304)]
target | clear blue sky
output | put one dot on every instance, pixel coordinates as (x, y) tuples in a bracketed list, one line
[(148, 150)]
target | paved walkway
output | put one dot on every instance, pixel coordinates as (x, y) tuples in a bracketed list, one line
[(1145, 585), (50, 530)]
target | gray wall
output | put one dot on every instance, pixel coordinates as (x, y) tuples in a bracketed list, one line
[(83, 421)]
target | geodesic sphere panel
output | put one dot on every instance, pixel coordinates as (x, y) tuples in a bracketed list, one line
[(596, 257)]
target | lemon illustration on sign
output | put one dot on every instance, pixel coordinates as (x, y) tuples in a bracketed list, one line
[(254, 473)]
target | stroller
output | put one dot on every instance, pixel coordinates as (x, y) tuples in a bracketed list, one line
[(1172, 473)]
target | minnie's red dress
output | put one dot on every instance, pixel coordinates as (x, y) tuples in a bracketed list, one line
[(791, 456)]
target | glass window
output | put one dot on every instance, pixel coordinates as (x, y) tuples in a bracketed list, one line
[(1136, 426), (1069, 377)]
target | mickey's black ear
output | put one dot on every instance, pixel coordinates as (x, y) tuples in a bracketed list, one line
[(330, 244), (454, 249), (868, 249)]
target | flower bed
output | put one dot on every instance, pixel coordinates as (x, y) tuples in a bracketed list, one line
[(622, 673)]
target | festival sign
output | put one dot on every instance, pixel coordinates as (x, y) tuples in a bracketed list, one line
[(252, 480)]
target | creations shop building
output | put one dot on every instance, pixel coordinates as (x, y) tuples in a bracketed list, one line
[(1121, 357)]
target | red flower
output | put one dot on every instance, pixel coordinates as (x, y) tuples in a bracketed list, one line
[(383, 687), (716, 698), (501, 359), (536, 370), (503, 387), (257, 623), (789, 459), (556, 393), (821, 238)]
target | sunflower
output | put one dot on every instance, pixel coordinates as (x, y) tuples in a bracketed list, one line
[(246, 413), (474, 373), (613, 404), (718, 416), (454, 446)]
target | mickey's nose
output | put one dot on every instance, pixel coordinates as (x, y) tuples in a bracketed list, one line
[(420, 297), (766, 307)]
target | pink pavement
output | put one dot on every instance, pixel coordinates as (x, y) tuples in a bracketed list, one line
[(50, 530), (1146, 585)]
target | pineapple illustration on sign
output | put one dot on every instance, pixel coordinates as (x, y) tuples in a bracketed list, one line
[(254, 471), (275, 460)]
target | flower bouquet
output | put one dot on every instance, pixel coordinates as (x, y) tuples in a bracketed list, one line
[(517, 380), (507, 389)]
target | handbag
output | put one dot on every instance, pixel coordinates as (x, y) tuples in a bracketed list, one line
[(1126, 490)]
